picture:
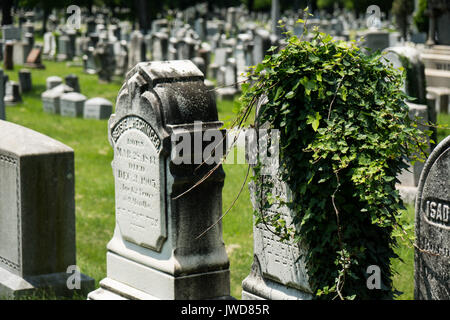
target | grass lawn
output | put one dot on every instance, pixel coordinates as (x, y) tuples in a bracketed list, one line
[(95, 185)]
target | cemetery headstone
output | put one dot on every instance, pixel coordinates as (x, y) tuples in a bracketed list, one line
[(154, 253), (25, 81), (49, 50), (279, 270), (72, 104), (51, 99), (97, 108), (432, 225), (2, 96), (34, 58), (72, 81), (12, 93), (37, 214), (53, 81)]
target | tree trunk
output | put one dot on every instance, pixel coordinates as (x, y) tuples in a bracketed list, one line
[(6, 12), (251, 5), (44, 20)]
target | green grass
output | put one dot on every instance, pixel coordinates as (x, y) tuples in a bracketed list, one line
[(94, 194)]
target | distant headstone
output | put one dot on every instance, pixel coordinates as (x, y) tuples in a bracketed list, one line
[(65, 51), (51, 99), (8, 62), (49, 51), (34, 58), (376, 39), (2, 96), (11, 32), (72, 104), (21, 50), (25, 81), (97, 108), (154, 253), (12, 93), (72, 81), (104, 60), (137, 49), (432, 272), (37, 214), (53, 81)]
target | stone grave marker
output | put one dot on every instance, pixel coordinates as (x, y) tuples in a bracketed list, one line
[(34, 58), (53, 81), (72, 104), (37, 214), (72, 81), (21, 50), (51, 99), (97, 108), (2, 96), (12, 93), (49, 51), (432, 224), (25, 81), (11, 32), (154, 253), (279, 270)]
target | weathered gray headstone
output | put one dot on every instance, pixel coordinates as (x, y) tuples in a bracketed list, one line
[(72, 104), (51, 99), (97, 108), (37, 214), (154, 253), (432, 257)]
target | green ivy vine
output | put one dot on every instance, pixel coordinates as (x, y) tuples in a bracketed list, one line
[(345, 135)]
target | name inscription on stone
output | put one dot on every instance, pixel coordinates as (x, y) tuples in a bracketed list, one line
[(436, 212), (139, 183)]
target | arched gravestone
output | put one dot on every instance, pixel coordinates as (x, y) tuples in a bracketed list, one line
[(432, 261), (155, 253), (279, 270)]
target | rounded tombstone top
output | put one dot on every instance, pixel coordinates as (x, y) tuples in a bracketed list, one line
[(98, 101), (53, 81), (62, 88), (24, 71), (73, 96), (432, 226)]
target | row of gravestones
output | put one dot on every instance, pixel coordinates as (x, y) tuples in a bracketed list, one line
[(155, 252), (66, 100), (110, 50)]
